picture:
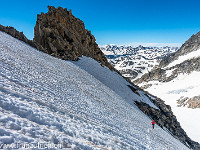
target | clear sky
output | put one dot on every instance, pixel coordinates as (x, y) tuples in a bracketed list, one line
[(115, 21)]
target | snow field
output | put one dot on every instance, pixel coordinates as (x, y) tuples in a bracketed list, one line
[(44, 99)]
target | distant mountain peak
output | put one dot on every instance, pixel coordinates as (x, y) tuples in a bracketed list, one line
[(192, 44), (133, 62)]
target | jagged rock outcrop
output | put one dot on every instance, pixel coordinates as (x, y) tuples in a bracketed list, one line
[(20, 36), (14, 33), (64, 36)]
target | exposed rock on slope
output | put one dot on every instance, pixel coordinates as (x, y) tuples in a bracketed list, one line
[(189, 49), (185, 61), (64, 36), (162, 74), (193, 102), (20, 36), (14, 33), (192, 44)]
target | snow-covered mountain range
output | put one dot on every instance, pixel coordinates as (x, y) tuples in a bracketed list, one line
[(176, 81), (80, 105), (133, 62)]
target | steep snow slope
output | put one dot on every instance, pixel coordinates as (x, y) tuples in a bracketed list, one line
[(112, 80), (133, 62), (44, 99)]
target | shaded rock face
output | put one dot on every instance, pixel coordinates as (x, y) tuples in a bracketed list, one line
[(165, 119), (156, 74), (64, 36)]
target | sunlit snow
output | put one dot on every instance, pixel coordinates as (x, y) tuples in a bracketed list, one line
[(81, 104)]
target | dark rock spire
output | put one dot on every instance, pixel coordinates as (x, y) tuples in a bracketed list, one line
[(64, 36)]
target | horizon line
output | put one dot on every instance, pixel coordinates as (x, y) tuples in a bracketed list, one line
[(136, 44)]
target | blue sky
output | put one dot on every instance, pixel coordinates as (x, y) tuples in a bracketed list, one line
[(115, 21)]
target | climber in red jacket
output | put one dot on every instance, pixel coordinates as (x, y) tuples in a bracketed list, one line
[(153, 123)]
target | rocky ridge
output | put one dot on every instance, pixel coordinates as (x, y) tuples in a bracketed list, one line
[(187, 66), (165, 72), (161, 74), (64, 36), (192, 44), (20, 36)]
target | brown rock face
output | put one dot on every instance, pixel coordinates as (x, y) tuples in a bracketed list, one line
[(64, 36), (193, 102)]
